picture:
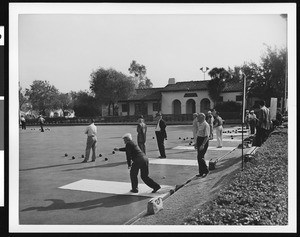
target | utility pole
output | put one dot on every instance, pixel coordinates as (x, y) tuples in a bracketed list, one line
[(204, 70)]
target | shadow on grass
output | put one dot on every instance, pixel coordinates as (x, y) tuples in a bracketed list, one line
[(49, 166), (90, 167), (111, 201), (108, 165)]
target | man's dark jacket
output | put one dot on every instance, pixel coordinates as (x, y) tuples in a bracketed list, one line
[(134, 154)]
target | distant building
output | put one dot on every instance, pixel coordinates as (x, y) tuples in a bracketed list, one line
[(62, 113), (177, 98), (144, 101)]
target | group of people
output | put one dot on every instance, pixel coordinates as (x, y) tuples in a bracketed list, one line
[(214, 121), (135, 153), (41, 122), (259, 125)]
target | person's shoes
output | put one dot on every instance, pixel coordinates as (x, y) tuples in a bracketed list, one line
[(204, 175), (155, 189), (162, 157), (134, 191), (199, 175), (85, 161)]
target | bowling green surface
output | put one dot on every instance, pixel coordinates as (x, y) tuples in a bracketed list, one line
[(55, 188)]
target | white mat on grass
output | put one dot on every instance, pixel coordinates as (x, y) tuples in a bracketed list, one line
[(167, 161), (112, 187), (209, 148)]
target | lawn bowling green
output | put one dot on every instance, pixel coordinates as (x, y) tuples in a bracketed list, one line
[(58, 189)]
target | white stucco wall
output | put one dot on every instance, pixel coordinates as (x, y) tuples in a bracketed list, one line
[(230, 96), (132, 108), (169, 97)]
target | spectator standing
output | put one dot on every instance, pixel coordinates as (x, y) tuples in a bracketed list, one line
[(252, 121), (161, 135), (218, 125), (202, 144), (195, 127), (264, 123), (91, 142), (23, 122), (41, 121), (247, 120), (210, 121), (141, 133), (278, 118), (136, 161)]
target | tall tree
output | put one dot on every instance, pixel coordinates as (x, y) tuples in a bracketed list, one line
[(217, 83), (85, 105), (109, 86), (267, 79), (140, 72), (22, 99), (43, 96), (65, 101)]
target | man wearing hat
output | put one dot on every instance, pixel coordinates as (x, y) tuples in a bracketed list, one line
[(136, 161), (264, 123), (161, 134), (202, 144), (41, 121), (91, 142), (141, 133), (252, 121)]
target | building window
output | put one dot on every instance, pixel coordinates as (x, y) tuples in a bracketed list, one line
[(124, 107), (156, 106), (137, 109), (190, 95), (239, 98)]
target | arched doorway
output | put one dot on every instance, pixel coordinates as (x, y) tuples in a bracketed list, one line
[(204, 105), (190, 106), (176, 107)]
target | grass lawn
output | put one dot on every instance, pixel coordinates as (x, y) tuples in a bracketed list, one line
[(256, 196)]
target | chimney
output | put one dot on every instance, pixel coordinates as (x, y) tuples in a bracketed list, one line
[(171, 81)]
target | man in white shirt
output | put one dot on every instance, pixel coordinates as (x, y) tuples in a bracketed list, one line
[(91, 142), (202, 144)]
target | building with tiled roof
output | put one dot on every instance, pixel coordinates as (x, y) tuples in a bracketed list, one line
[(177, 98)]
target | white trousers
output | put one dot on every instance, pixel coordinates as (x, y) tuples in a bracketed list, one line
[(219, 134)]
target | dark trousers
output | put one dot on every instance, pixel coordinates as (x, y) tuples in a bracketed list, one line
[(142, 147), (261, 136), (252, 127), (23, 124), (42, 127), (160, 142), (203, 169), (144, 175)]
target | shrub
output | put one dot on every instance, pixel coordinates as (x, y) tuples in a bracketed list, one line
[(228, 106), (256, 196)]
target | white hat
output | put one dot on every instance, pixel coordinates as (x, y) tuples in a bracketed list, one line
[(127, 135)]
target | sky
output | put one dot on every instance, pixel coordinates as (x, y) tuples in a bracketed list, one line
[(65, 49)]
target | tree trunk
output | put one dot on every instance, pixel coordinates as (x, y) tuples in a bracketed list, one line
[(109, 108), (113, 109)]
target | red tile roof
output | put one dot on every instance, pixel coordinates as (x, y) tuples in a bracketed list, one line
[(200, 85), (154, 94), (148, 94)]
